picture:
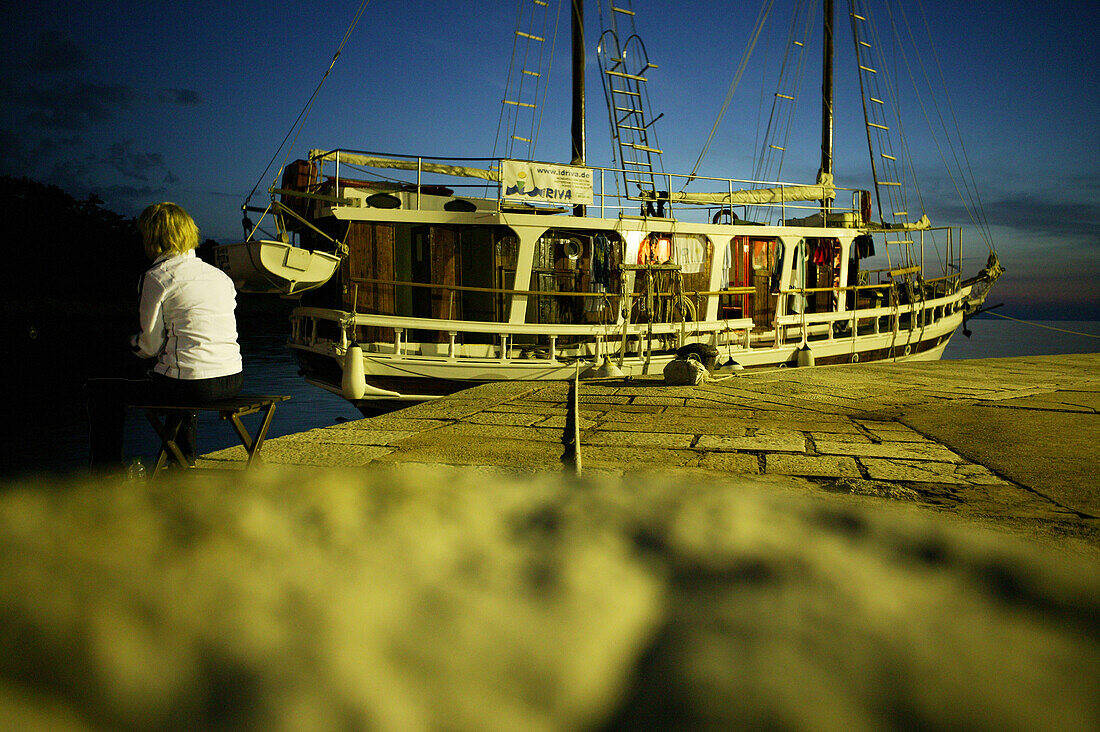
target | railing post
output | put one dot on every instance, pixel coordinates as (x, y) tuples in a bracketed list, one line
[(601, 193), (397, 332), (451, 343), (419, 166), (553, 349)]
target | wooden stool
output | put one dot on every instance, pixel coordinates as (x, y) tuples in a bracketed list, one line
[(231, 409)]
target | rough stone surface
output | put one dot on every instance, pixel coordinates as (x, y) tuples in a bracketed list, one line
[(816, 466), (1004, 442), (763, 439), (465, 599)]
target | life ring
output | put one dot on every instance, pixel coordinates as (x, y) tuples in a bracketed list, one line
[(723, 212)]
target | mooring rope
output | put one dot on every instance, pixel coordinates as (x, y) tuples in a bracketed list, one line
[(1048, 327)]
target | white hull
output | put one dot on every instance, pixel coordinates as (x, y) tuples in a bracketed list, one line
[(403, 371)]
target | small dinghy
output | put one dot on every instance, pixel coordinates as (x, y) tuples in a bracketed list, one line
[(275, 267)]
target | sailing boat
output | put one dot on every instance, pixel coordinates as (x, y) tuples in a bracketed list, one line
[(446, 273)]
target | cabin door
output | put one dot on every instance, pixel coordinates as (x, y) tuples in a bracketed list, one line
[(823, 271), (434, 254), (751, 262)]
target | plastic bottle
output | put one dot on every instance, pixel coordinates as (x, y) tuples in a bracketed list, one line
[(136, 471)]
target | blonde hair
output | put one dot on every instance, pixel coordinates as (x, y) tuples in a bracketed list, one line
[(167, 229)]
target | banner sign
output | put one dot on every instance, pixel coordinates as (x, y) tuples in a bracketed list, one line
[(563, 184)]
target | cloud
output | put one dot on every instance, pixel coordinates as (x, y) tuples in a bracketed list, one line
[(75, 106), (133, 164), (1031, 214), (56, 89), (183, 97), (54, 52)]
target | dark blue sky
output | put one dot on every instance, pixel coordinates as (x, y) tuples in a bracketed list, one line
[(188, 101)]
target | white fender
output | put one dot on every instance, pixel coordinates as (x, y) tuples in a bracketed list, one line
[(353, 384)]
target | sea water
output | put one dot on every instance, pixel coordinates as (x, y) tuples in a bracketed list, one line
[(61, 445), (996, 337)]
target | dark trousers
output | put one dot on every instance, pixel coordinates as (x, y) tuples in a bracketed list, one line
[(107, 400)]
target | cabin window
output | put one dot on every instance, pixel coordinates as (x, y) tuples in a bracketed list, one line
[(681, 270), (429, 271), (579, 274)]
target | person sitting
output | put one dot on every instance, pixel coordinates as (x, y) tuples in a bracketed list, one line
[(187, 323)]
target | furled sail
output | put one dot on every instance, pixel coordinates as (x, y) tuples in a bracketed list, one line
[(823, 190), (919, 225), (370, 161)]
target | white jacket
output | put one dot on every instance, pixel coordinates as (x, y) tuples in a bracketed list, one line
[(187, 321)]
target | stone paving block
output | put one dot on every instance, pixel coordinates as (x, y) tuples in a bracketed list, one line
[(856, 437), (291, 451), (979, 475), (588, 398), (811, 466), (506, 418), (916, 471), (335, 436), (715, 412), (658, 423), (664, 401), (838, 425), (892, 431), (634, 458), (704, 397), (891, 450), (499, 391), (766, 440), (533, 454), (1053, 402), (390, 422), (465, 432), (555, 391), (546, 411), (739, 463), (559, 423), (640, 409), (449, 408), (654, 389), (636, 439), (596, 388), (544, 408), (706, 405)]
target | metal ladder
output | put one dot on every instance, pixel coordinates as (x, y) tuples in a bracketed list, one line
[(623, 70)]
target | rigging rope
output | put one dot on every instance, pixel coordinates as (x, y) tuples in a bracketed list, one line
[(788, 86), (300, 121), (760, 19)]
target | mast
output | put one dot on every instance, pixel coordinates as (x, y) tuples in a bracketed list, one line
[(578, 132), (827, 97)]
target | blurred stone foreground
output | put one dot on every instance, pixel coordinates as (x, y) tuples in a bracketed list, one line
[(466, 599)]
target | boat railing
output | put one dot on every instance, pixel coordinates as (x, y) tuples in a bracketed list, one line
[(881, 314), (420, 174)]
